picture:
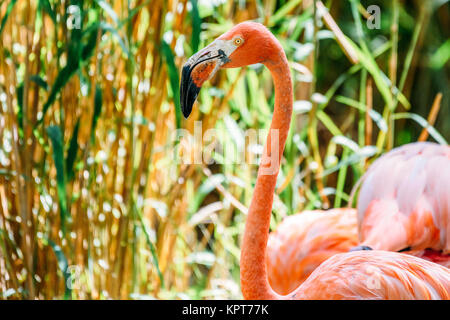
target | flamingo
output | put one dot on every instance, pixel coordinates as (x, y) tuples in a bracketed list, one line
[(414, 201), (370, 274), (408, 189), (301, 242)]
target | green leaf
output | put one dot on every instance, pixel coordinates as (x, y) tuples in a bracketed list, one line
[(88, 48), (205, 188), (39, 81), (91, 33), (341, 180), (441, 56), (107, 27), (133, 12), (424, 123), (346, 75), (174, 80), (47, 7), (364, 152), (379, 120), (283, 11), (72, 152), (149, 242), (78, 52), (329, 124), (8, 12), (98, 98), (110, 11), (63, 265), (54, 132), (61, 80), (20, 105), (367, 59), (196, 26)]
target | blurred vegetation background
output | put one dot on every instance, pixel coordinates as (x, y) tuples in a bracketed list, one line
[(94, 205)]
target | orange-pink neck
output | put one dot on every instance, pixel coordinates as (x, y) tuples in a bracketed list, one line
[(254, 282)]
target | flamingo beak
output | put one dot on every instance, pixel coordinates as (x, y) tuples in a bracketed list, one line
[(199, 68)]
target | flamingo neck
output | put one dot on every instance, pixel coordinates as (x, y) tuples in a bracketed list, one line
[(254, 282)]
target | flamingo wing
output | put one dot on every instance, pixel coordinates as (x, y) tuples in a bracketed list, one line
[(376, 275)]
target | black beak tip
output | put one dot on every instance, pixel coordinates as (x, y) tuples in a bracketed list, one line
[(359, 248), (186, 110), (188, 91)]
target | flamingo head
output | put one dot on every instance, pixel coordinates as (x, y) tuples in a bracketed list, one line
[(245, 44)]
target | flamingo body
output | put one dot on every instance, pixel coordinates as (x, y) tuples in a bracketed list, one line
[(432, 255), (407, 190), (377, 275), (303, 241)]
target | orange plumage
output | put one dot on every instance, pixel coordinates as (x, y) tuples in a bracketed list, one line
[(376, 275), (407, 192), (352, 275), (303, 241)]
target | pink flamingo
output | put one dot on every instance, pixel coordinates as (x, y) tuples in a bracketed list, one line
[(352, 275), (407, 190), (301, 242)]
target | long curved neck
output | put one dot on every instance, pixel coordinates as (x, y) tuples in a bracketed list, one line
[(254, 282)]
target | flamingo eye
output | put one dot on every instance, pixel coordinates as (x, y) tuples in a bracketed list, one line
[(238, 41)]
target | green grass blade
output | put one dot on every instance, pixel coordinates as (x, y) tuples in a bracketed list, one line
[(8, 12), (72, 152), (283, 11), (107, 8), (174, 80), (19, 92), (61, 80), (90, 34), (424, 123), (329, 124), (107, 27), (341, 180), (63, 266), (441, 56), (364, 152), (132, 13), (205, 188), (376, 117), (149, 242), (352, 70), (54, 132), (98, 102), (39, 81), (411, 49), (196, 26), (47, 7), (362, 100)]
